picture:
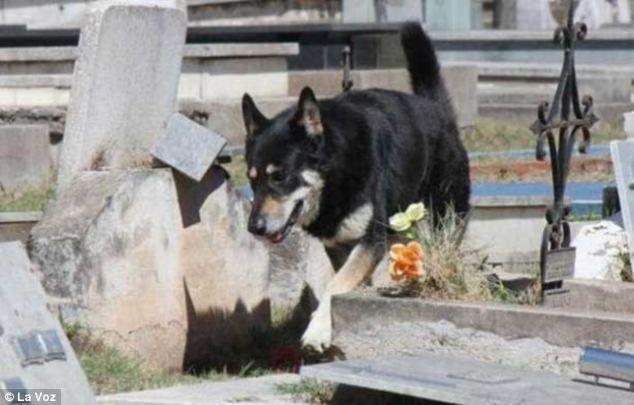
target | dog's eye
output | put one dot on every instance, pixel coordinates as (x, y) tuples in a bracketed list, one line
[(278, 176)]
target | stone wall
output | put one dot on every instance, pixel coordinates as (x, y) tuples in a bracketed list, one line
[(70, 13)]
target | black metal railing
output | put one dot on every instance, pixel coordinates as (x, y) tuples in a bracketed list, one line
[(566, 116)]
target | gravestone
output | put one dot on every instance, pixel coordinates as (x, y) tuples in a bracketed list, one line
[(623, 161), (34, 351), (124, 85), (25, 157), (462, 381), (156, 263)]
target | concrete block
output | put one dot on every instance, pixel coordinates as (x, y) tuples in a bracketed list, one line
[(196, 279), (24, 314), (124, 86), (356, 312), (226, 269), (594, 295), (25, 157), (188, 147), (494, 219), (442, 379), (108, 251)]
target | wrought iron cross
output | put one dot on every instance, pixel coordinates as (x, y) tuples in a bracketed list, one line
[(572, 119)]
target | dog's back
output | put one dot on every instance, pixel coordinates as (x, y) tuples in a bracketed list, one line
[(416, 144)]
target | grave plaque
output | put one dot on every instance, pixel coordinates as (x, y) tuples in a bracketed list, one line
[(34, 351), (560, 265)]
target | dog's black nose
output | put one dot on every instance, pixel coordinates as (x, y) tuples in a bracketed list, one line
[(257, 225)]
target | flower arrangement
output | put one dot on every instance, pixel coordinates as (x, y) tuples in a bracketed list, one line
[(429, 261)]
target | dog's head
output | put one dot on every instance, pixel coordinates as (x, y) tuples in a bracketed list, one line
[(283, 166)]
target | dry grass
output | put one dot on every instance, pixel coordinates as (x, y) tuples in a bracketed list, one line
[(447, 274)]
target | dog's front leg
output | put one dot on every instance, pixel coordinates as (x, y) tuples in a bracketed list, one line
[(359, 266)]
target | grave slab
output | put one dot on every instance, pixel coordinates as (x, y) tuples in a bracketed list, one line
[(25, 157), (124, 84), (464, 381), (188, 147), (34, 349)]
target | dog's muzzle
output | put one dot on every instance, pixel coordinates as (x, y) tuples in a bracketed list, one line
[(258, 224)]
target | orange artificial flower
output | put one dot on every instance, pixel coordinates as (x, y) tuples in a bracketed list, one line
[(406, 262)]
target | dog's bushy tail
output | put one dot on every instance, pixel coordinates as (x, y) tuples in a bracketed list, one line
[(422, 62)]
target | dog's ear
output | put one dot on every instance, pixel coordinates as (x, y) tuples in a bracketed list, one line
[(308, 114), (254, 120)]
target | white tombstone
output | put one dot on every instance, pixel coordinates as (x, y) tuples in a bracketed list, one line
[(124, 85), (601, 250)]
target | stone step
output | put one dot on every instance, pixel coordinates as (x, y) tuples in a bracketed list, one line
[(261, 390)]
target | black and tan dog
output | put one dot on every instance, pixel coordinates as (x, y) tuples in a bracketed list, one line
[(340, 167)]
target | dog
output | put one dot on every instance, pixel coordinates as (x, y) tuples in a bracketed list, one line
[(340, 167)]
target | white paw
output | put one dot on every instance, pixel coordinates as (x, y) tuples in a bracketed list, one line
[(318, 335)]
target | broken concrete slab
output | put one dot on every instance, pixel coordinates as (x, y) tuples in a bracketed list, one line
[(260, 390), (108, 252), (34, 349), (563, 327), (124, 85), (171, 280), (25, 157), (188, 147), (464, 381)]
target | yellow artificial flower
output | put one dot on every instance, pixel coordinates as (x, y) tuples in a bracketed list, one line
[(416, 212), (400, 222)]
